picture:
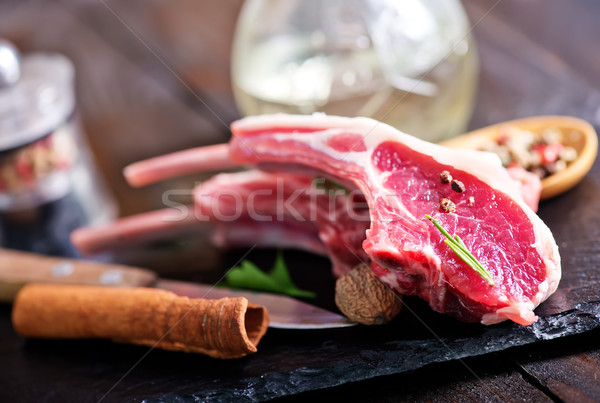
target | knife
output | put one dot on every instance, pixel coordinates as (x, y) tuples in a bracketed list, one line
[(20, 268)]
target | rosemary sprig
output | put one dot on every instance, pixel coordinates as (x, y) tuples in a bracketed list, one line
[(459, 247)]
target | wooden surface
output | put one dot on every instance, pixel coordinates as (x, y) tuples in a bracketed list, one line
[(153, 77)]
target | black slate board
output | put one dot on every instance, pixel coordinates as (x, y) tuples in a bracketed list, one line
[(291, 362)]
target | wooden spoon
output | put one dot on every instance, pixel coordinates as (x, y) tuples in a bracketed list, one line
[(576, 133)]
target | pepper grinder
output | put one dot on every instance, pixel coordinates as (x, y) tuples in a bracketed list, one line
[(49, 184)]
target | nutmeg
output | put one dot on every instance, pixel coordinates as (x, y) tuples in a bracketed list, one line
[(363, 298)]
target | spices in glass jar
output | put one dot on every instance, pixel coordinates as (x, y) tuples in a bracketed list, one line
[(48, 182)]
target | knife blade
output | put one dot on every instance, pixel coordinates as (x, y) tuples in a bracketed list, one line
[(19, 268)]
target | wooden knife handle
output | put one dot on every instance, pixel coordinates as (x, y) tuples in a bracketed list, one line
[(20, 268)]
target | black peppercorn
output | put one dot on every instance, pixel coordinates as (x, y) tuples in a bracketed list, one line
[(458, 186)]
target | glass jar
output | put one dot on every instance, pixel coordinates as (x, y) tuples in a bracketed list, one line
[(48, 182), (410, 63)]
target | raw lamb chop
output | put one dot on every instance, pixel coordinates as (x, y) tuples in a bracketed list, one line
[(252, 207), (287, 200), (399, 177)]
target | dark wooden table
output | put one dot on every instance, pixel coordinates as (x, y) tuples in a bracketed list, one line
[(153, 77)]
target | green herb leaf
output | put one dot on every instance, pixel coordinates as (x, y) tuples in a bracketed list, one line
[(280, 273), (459, 247), (330, 186), (248, 276)]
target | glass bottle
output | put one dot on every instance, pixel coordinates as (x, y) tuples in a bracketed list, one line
[(410, 63), (48, 182)]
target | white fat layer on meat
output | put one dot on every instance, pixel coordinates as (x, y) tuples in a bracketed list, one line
[(375, 133), (517, 311), (391, 280)]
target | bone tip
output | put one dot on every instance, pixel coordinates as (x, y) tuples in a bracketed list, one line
[(80, 238), (132, 176)]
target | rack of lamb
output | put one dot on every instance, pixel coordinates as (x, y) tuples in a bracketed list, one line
[(393, 203)]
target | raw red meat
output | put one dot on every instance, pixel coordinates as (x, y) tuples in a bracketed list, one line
[(250, 208), (289, 201), (227, 224), (399, 177)]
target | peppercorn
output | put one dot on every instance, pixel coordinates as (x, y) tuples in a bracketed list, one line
[(445, 177), (543, 154), (447, 206), (458, 186)]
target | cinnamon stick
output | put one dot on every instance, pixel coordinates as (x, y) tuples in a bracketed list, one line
[(223, 328)]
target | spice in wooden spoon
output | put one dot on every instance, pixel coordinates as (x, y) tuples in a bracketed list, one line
[(575, 138)]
